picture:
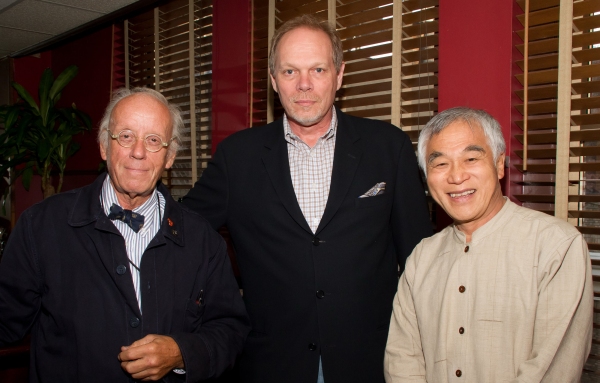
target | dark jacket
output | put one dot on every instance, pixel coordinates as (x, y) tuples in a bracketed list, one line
[(65, 276), (328, 293)]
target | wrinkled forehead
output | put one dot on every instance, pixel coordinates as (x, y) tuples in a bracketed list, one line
[(462, 124)]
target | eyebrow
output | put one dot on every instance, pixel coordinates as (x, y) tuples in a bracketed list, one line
[(433, 156), (474, 148)]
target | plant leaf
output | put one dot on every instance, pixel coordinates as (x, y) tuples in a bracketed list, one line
[(45, 101), (25, 96), (27, 174), (61, 81)]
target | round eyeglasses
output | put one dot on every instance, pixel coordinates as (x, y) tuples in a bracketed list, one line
[(152, 142)]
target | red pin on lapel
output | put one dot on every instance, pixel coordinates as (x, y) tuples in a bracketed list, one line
[(170, 222)]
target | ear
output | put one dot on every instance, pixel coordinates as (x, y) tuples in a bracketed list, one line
[(103, 152), (170, 160), (340, 75), (273, 82), (500, 166)]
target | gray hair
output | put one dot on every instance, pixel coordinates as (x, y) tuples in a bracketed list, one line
[(310, 22), (122, 93), (491, 129)]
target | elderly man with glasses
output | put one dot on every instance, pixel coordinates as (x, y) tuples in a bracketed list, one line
[(116, 281)]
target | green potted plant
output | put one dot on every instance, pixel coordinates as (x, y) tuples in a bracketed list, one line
[(39, 137)]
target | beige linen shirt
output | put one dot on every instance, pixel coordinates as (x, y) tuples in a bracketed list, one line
[(513, 305)]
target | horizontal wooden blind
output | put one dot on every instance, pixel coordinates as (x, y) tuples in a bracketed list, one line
[(367, 30), (170, 50), (259, 64), (539, 181), (563, 124)]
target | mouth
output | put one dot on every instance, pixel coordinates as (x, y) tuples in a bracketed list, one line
[(462, 194), (305, 102), (136, 170)]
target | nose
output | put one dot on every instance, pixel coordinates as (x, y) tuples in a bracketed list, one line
[(138, 150), (457, 174), (304, 82)]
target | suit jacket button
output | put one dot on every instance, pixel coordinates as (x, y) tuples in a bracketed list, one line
[(134, 322), (316, 241), (312, 346), (320, 294), (121, 269)]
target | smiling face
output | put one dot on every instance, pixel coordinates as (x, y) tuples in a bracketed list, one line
[(305, 77), (134, 171), (463, 177)]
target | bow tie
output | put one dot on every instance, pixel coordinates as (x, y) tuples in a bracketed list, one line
[(134, 220)]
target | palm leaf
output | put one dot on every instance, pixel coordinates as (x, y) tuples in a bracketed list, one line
[(26, 97), (61, 81)]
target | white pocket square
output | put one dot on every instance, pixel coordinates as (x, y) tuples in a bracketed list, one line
[(378, 189)]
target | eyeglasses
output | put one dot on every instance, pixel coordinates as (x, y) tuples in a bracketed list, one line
[(152, 142)]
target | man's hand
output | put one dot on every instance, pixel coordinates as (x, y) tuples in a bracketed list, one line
[(151, 357)]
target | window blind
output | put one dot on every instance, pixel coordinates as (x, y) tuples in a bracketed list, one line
[(170, 49)]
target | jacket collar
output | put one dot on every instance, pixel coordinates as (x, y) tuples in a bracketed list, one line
[(345, 162), (87, 209)]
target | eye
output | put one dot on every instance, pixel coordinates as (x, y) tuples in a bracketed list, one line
[(438, 165), (126, 137), (319, 70), (288, 71)]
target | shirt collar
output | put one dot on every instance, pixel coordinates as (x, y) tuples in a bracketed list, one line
[(108, 196), (290, 136), (489, 227)]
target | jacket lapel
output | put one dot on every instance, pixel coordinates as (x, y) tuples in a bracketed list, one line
[(110, 248), (345, 162), (277, 164)]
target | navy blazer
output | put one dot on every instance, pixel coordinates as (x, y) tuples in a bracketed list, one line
[(327, 293), (65, 276)]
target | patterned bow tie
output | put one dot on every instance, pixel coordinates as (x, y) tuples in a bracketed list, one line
[(134, 220)]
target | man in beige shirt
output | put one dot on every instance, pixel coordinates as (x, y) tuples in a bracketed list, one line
[(502, 295)]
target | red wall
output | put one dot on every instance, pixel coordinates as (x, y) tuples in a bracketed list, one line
[(475, 64), (90, 90), (231, 68)]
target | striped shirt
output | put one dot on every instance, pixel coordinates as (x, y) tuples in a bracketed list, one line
[(310, 169), (135, 243)]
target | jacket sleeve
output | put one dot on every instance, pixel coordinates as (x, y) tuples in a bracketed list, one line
[(20, 283), (219, 339), (410, 214), (210, 195), (564, 317), (404, 360)]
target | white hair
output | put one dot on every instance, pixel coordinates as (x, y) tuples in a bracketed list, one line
[(491, 130)]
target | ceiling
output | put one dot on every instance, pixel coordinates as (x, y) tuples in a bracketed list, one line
[(26, 23)]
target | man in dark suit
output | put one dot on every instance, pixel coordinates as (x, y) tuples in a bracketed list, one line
[(322, 207), (116, 281)]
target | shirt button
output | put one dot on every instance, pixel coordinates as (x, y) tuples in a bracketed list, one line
[(134, 322), (121, 269), (320, 294), (461, 330), (312, 346), (458, 373), (461, 289), (316, 241), (466, 249)]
